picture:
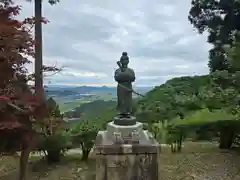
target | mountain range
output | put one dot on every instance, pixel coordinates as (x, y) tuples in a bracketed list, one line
[(86, 90)]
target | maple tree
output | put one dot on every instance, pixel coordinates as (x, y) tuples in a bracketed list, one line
[(20, 107)]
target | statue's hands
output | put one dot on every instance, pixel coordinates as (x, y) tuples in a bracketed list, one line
[(124, 76)]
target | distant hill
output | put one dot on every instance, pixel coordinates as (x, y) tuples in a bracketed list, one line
[(63, 91), (91, 109), (72, 90), (173, 98)]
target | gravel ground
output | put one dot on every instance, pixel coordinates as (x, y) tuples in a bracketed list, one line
[(198, 161)]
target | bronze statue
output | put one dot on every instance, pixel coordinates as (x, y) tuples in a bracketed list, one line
[(124, 76)]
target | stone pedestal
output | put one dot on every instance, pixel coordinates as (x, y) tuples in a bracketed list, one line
[(134, 159)]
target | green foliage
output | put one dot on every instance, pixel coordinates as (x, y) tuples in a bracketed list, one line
[(59, 141), (203, 116), (207, 15), (84, 133), (218, 19), (53, 108), (154, 128), (227, 85), (174, 137), (176, 97), (189, 104), (206, 125), (81, 133), (159, 131), (233, 55), (147, 117), (53, 139), (180, 96)]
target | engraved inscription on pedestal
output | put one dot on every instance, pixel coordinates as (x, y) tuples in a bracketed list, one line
[(117, 167), (132, 167), (128, 133), (145, 167), (118, 138)]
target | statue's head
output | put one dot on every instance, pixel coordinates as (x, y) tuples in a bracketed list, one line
[(124, 59)]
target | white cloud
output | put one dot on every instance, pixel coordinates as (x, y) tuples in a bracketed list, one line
[(84, 74), (88, 37)]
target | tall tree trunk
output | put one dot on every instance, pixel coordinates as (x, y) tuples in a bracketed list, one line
[(27, 146), (53, 156), (23, 163), (85, 154), (38, 48)]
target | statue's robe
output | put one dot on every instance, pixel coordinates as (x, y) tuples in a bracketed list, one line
[(124, 95)]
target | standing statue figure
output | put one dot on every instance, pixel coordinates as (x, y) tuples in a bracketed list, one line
[(124, 76)]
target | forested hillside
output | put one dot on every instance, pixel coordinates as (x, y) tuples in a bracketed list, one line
[(195, 104), (91, 109), (175, 97)]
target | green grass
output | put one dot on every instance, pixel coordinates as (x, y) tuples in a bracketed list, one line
[(203, 116)]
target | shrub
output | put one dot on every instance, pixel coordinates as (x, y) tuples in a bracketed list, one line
[(55, 145), (84, 134)]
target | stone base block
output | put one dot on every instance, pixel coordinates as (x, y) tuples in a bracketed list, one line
[(126, 131), (126, 161)]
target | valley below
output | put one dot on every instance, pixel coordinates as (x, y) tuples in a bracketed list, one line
[(69, 98)]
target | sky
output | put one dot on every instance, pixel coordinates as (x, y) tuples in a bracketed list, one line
[(87, 37)]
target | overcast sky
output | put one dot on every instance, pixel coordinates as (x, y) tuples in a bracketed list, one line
[(87, 37)]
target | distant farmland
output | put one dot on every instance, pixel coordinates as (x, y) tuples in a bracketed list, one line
[(67, 106)]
